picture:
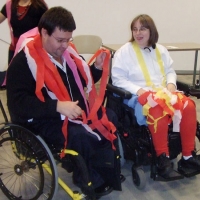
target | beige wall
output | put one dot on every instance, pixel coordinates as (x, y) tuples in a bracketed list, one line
[(176, 20)]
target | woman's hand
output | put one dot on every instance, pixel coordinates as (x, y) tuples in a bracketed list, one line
[(171, 87)]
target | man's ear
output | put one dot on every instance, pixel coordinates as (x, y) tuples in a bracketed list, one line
[(44, 32)]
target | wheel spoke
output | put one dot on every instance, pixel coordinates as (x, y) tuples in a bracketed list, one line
[(22, 155)]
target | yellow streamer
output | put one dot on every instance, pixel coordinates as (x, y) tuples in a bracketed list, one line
[(143, 65), (160, 94)]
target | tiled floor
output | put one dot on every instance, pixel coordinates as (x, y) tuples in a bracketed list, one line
[(184, 189)]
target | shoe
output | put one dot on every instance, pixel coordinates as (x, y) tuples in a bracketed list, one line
[(122, 178), (102, 190), (164, 165), (191, 163)]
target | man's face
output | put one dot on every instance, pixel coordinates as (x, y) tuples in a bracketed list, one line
[(57, 43)]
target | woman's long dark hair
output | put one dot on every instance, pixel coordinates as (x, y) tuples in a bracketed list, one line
[(35, 3)]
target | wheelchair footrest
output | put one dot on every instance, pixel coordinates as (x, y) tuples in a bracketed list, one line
[(188, 172), (173, 175)]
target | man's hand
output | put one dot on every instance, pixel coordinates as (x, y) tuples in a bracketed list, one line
[(99, 60), (171, 87), (69, 109)]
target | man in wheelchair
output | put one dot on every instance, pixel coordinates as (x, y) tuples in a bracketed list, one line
[(144, 68), (45, 92)]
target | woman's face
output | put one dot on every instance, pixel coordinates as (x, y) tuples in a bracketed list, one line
[(141, 34)]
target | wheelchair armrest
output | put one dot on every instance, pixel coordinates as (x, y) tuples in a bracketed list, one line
[(119, 91), (195, 92), (183, 86), (188, 89)]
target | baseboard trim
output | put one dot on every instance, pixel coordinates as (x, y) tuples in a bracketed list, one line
[(185, 72)]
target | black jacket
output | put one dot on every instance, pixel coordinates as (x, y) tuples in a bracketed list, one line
[(22, 101)]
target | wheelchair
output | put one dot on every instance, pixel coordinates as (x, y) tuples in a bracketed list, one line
[(136, 140), (28, 167)]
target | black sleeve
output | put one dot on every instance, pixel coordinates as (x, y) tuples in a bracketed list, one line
[(21, 98), (3, 11), (96, 73)]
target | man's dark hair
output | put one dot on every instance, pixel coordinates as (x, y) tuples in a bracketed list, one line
[(57, 17)]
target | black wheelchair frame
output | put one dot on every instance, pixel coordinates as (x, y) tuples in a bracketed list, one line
[(137, 141)]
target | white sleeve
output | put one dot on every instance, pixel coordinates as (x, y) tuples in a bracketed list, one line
[(169, 71), (120, 70)]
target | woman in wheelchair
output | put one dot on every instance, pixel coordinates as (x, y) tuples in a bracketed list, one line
[(144, 68)]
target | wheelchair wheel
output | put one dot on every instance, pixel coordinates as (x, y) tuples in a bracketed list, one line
[(139, 178), (25, 162)]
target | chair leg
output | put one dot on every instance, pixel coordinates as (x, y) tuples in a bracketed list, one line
[(3, 111)]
